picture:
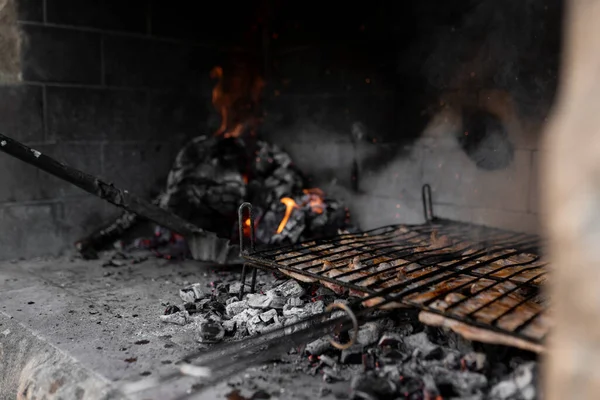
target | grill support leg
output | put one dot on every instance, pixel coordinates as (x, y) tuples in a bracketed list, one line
[(253, 284), (243, 280)]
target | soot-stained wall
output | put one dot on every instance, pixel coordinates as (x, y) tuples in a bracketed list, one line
[(450, 93)]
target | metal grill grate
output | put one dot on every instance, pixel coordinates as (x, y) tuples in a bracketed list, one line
[(484, 278)]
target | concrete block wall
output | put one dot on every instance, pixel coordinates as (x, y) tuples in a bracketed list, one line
[(110, 87)]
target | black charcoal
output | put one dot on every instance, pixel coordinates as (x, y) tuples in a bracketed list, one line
[(294, 302), (291, 311), (390, 339), (261, 301), (171, 310), (520, 384), (421, 344), (236, 307), (314, 308), (325, 359), (269, 316), (352, 355), (235, 287), (229, 325), (371, 386), (178, 318), (368, 333), (231, 300), (210, 332), (255, 325), (331, 375), (318, 347), (465, 383), (277, 299), (474, 361), (290, 288), (187, 295)]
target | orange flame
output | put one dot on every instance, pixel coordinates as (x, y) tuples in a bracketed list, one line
[(314, 199), (290, 204), (247, 228), (235, 97)]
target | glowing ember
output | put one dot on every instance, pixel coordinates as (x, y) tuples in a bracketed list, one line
[(290, 204), (315, 200)]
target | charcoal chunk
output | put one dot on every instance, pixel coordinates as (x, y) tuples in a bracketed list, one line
[(521, 383), (294, 302), (420, 343), (236, 307), (235, 287), (352, 355), (256, 300), (371, 386), (290, 288), (178, 318), (210, 332), (390, 339), (187, 295), (368, 333), (318, 347), (171, 310)]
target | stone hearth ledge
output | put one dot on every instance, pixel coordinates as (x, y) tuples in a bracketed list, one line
[(74, 339)]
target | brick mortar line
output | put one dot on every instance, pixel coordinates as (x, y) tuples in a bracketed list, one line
[(333, 94), (46, 128), (44, 202), (129, 35), (482, 208), (102, 62), (44, 11), (148, 89)]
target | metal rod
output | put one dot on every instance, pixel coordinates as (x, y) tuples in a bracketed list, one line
[(97, 187), (427, 203), (241, 223), (243, 281), (253, 282)]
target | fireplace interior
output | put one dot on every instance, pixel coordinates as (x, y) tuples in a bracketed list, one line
[(332, 122)]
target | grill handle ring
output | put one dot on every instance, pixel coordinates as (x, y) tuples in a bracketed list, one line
[(352, 316)]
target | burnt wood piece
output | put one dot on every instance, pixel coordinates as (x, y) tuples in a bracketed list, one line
[(204, 245), (100, 239)]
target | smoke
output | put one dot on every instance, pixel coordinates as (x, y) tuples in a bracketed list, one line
[(511, 45)]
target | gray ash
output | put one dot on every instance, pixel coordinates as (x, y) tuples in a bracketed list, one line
[(395, 357)]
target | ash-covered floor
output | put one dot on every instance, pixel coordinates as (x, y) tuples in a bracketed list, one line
[(71, 328)]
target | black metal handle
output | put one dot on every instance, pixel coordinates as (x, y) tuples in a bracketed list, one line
[(95, 186)]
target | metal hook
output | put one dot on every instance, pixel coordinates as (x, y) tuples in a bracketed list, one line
[(427, 203), (350, 313)]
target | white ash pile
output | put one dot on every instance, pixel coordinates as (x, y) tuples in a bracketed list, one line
[(394, 357), (219, 313)]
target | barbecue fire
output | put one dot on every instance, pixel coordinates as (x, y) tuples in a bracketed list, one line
[(312, 200), (236, 97), (290, 204)]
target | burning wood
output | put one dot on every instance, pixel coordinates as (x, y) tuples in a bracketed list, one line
[(213, 175)]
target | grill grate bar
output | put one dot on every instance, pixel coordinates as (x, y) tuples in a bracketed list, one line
[(492, 275)]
